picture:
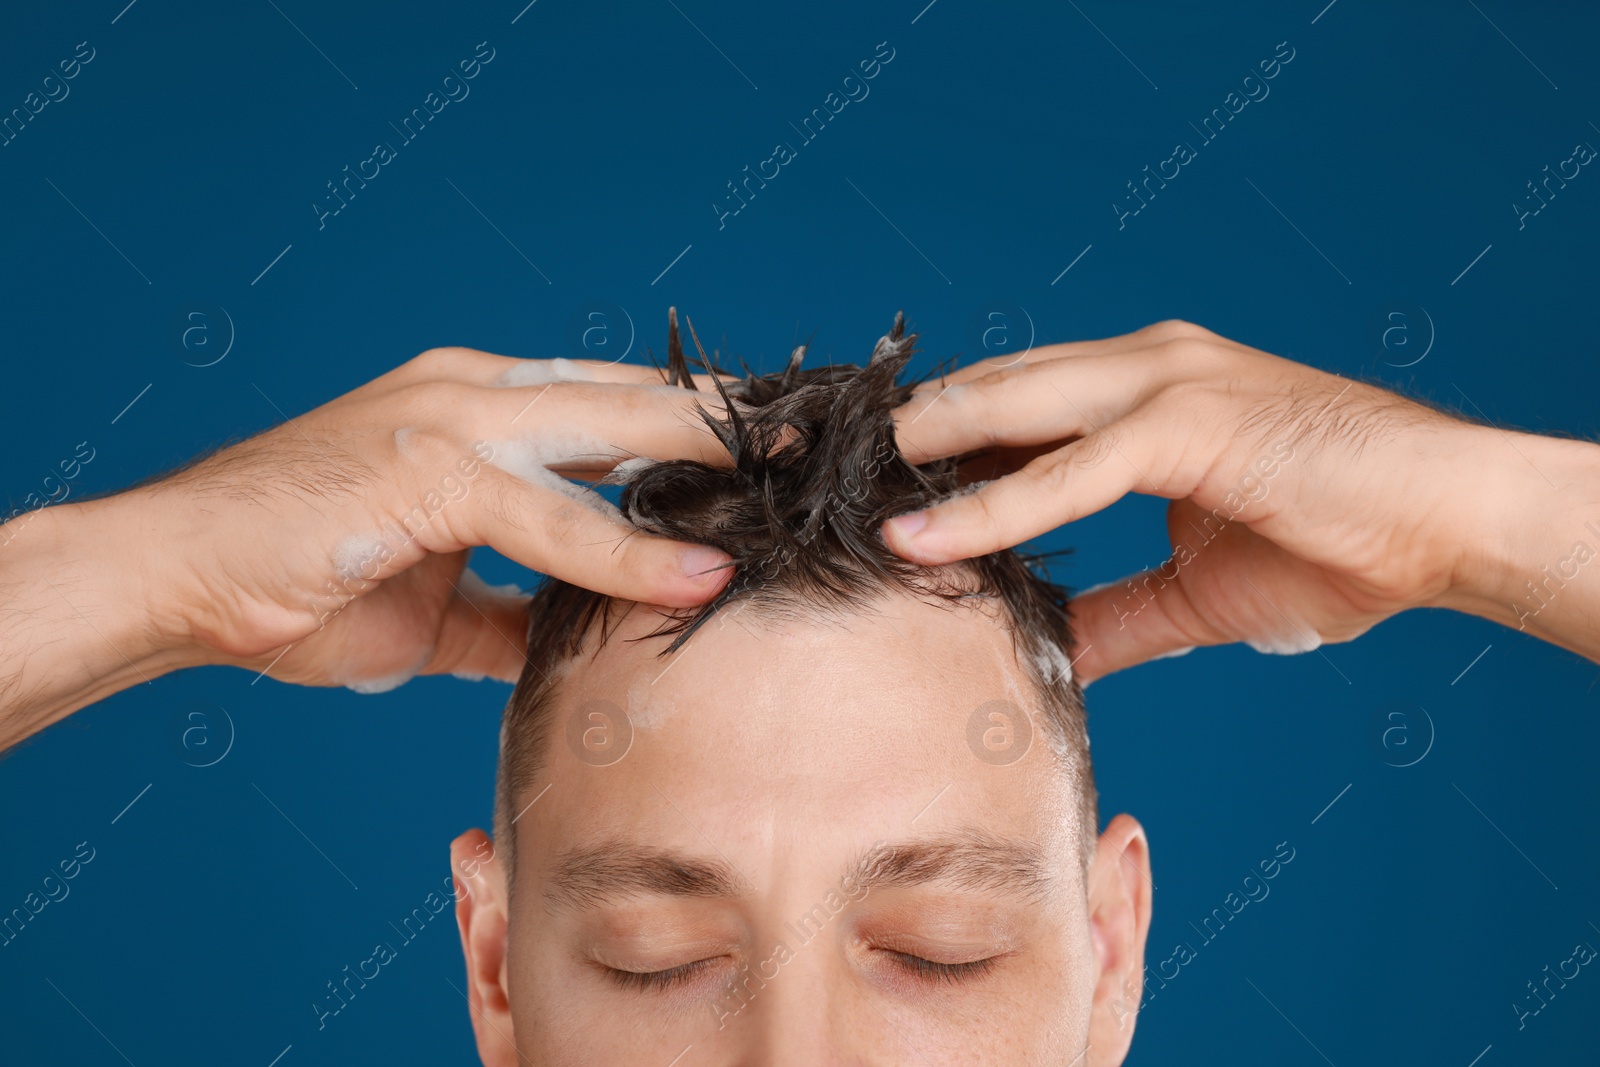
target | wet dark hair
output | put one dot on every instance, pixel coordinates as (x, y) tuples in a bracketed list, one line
[(815, 473)]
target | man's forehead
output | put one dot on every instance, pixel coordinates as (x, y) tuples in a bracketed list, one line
[(770, 729), (899, 642)]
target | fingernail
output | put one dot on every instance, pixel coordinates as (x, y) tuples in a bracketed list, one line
[(704, 565), (908, 526)]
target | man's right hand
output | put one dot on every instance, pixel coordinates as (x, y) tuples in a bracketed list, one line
[(331, 550)]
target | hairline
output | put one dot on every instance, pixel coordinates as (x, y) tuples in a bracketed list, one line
[(539, 733)]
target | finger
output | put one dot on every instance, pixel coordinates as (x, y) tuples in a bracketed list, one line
[(1028, 405), (484, 632), (1027, 357), (1129, 622), (1155, 333), (469, 366), (1051, 491), (575, 535), (593, 426)]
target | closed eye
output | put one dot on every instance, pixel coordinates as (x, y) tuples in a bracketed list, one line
[(659, 980), (930, 971)]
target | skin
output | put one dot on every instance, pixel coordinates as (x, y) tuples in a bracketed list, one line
[(1384, 504), (236, 560), (735, 755)]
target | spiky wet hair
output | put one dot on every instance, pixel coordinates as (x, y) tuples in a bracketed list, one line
[(815, 472)]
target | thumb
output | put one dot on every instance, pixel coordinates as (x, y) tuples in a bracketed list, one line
[(484, 632), (1139, 618)]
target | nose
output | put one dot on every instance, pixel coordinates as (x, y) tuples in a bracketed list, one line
[(798, 1014)]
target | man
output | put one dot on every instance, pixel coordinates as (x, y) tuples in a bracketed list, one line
[(1384, 505), (331, 551), (844, 813)]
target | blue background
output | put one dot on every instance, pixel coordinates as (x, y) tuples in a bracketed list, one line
[(996, 140)]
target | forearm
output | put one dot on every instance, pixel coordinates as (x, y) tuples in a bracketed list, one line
[(75, 616), (1534, 564)]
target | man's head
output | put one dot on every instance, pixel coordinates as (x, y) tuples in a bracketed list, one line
[(842, 813)]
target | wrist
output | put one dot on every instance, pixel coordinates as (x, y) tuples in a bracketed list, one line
[(83, 572), (1529, 524)]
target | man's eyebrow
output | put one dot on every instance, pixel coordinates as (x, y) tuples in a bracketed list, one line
[(968, 859), (586, 877)]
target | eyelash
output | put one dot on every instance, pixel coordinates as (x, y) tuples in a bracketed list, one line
[(928, 970), (923, 969), (658, 980)]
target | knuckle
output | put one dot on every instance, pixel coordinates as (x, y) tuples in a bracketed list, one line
[(430, 402), (1191, 359), (434, 360), (1089, 454), (1176, 330), (1185, 394)]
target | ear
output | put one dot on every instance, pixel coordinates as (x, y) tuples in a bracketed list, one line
[(483, 916), (1119, 919)]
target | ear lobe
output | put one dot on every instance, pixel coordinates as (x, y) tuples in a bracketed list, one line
[(483, 917), (1119, 919)]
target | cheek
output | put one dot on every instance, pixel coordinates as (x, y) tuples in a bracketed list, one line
[(564, 1011), (1035, 1011)]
